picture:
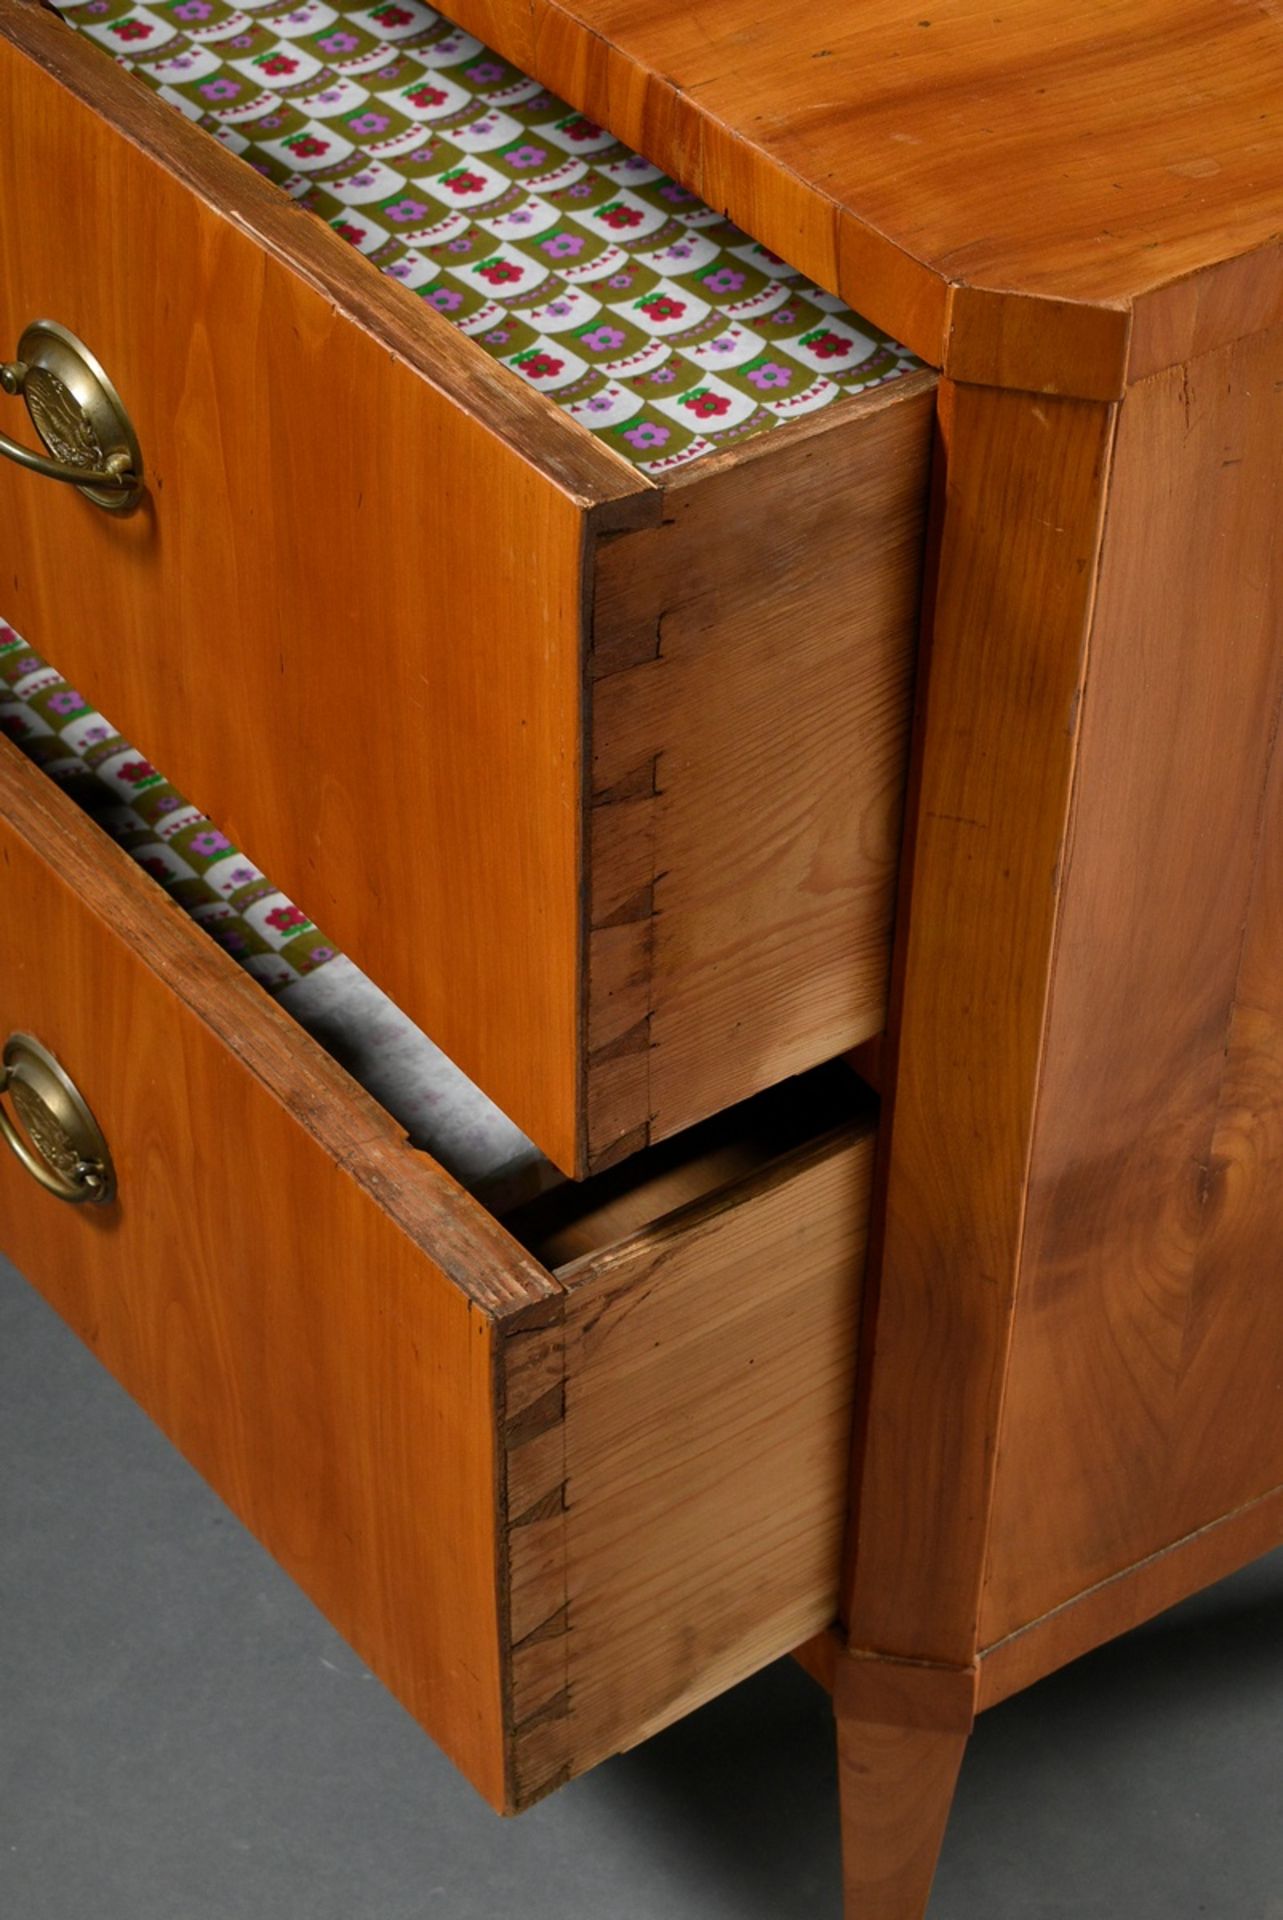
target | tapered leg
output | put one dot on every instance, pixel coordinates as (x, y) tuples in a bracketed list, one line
[(896, 1780)]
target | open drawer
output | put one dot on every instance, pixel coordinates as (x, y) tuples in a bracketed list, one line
[(627, 748), (552, 1504)]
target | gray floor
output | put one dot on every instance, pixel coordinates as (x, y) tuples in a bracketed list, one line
[(183, 1738)]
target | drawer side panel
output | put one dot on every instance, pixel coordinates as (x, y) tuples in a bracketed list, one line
[(753, 671), (676, 1505)]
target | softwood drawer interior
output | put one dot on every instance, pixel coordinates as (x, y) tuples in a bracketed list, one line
[(559, 1478), (595, 765)]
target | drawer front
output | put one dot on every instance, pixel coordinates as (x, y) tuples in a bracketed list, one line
[(355, 591), (552, 1512), (262, 1282), (600, 781)]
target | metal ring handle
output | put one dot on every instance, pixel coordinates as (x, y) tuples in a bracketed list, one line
[(79, 416), (60, 1143), (115, 474)]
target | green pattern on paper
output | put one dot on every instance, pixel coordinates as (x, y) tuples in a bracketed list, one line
[(650, 318), (173, 842)]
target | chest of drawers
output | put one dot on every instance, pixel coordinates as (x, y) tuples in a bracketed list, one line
[(601, 772)]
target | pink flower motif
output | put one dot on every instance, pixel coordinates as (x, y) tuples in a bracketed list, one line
[(209, 842), (405, 210), (725, 280), (68, 701), (445, 299), (193, 10), (338, 42), (603, 339), (671, 191), (562, 246), (646, 434), (485, 73), (369, 123), (527, 156), (770, 374)]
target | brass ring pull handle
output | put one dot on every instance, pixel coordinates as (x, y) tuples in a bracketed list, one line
[(78, 415), (60, 1143)]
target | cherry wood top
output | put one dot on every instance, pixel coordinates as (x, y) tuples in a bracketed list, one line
[(1018, 193)]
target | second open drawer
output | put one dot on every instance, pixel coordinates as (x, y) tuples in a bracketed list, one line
[(627, 757), (555, 1501)]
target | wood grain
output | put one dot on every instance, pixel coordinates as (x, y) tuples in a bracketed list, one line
[(314, 628), (305, 1306), (1097, 163), (902, 1733), (680, 1497), (1022, 484), (1147, 1363), (753, 667), (1137, 1594)]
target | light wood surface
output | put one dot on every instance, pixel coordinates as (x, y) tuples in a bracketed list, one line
[(677, 1469), (305, 1307), (753, 662), (1060, 196), (312, 627), (1022, 491), (1147, 1364)]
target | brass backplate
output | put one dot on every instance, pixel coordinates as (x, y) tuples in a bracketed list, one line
[(77, 412)]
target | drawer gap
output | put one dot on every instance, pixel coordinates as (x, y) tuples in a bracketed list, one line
[(442, 1113)]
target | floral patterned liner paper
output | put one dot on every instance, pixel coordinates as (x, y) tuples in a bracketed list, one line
[(226, 894), (646, 315)]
